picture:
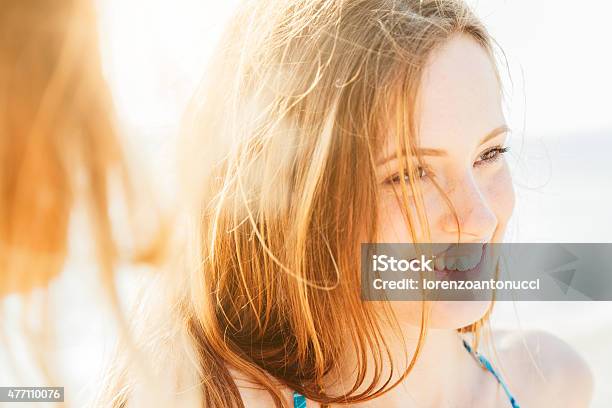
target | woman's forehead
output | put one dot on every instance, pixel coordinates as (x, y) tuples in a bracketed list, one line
[(459, 99)]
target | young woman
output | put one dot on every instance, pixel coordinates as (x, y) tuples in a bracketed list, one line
[(322, 125)]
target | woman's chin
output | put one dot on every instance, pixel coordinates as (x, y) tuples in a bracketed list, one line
[(443, 314), (457, 314)]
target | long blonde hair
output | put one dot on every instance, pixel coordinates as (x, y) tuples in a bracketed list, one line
[(282, 140)]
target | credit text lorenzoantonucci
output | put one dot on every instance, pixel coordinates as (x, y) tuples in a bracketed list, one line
[(384, 263)]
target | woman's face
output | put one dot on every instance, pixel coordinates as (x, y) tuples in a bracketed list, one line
[(462, 136)]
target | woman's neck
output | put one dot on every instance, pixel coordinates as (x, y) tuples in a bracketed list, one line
[(439, 366), (442, 364)]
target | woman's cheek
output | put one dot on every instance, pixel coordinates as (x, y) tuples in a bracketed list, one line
[(392, 225), (500, 194)]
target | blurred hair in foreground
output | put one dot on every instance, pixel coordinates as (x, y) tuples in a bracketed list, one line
[(280, 150), (59, 150)]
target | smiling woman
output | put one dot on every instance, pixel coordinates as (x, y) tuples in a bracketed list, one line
[(321, 125), (463, 187)]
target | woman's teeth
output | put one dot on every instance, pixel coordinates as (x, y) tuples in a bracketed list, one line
[(457, 263)]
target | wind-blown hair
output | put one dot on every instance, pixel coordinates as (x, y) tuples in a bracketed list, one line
[(280, 150), (60, 150)]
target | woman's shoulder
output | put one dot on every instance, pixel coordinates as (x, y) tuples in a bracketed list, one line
[(543, 370)]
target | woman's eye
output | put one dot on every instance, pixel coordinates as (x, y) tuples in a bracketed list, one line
[(491, 155), (421, 173)]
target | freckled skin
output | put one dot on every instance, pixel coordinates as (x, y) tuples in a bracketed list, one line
[(460, 104)]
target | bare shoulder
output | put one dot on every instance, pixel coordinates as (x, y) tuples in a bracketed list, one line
[(543, 370)]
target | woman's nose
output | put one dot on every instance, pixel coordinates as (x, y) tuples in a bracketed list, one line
[(471, 217)]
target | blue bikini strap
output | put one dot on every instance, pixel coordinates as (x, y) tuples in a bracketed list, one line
[(487, 365), (299, 401)]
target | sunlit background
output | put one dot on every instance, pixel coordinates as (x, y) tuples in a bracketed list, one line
[(559, 106)]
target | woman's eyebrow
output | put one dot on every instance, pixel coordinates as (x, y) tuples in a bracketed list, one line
[(437, 152), (494, 133)]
